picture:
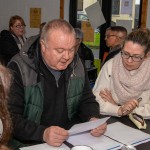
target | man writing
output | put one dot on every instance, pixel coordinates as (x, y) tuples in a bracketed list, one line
[(51, 91)]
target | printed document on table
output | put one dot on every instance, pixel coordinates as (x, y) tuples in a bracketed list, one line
[(45, 147), (127, 135), (82, 127), (97, 143)]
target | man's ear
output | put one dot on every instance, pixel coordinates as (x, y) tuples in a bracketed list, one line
[(43, 45)]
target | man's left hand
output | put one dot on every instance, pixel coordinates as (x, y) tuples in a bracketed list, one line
[(100, 130)]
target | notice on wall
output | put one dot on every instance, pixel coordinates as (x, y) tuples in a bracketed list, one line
[(35, 17), (88, 31), (126, 7), (95, 15)]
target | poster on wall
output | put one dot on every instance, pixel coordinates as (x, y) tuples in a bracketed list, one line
[(88, 31), (35, 17), (126, 7)]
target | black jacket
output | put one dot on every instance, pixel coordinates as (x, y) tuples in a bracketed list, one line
[(86, 53), (112, 53), (8, 45)]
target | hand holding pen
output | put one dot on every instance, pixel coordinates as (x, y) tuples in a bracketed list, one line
[(129, 106)]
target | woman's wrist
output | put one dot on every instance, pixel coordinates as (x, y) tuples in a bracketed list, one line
[(120, 111)]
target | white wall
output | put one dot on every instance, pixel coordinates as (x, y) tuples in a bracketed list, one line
[(148, 16), (66, 9), (50, 9)]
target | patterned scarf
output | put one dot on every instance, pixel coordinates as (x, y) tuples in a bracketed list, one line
[(130, 84)]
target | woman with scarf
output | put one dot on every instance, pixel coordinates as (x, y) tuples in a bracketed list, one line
[(12, 41), (123, 84), (5, 121)]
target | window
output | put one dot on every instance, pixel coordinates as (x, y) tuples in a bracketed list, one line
[(115, 7)]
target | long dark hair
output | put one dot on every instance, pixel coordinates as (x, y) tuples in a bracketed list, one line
[(5, 82)]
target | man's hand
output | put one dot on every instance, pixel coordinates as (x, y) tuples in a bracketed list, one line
[(107, 96), (100, 130), (55, 135)]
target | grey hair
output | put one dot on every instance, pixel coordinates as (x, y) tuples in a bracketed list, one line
[(56, 24)]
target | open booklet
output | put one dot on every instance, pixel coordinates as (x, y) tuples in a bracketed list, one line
[(116, 136)]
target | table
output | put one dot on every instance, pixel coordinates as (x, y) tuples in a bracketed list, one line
[(125, 120)]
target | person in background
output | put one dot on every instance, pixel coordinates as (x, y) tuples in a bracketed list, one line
[(114, 37), (5, 121), (12, 41), (123, 84), (84, 52), (50, 90), (38, 35)]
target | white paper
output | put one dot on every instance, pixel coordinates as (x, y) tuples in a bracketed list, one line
[(95, 15), (97, 143), (126, 134), (82, 127), (45, 147)]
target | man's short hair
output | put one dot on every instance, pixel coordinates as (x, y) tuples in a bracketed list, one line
[(117, 29)]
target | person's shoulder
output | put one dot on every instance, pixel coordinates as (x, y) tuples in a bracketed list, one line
[(84, 46), (5, 33), (108, 65), (33, 38)]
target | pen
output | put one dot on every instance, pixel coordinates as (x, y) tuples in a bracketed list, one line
[(139, 99)]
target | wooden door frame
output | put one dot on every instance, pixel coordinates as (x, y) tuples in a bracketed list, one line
[(62, 9), (144, 10)]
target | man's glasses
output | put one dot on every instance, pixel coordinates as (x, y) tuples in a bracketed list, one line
[(19, 26), (109, 35), (126, 55)]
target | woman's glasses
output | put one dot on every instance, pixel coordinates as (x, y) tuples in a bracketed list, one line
[(20, 26), (135, 58)]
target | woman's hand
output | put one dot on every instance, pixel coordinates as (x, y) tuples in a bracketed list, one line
[(128, 107), (107, 96)]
